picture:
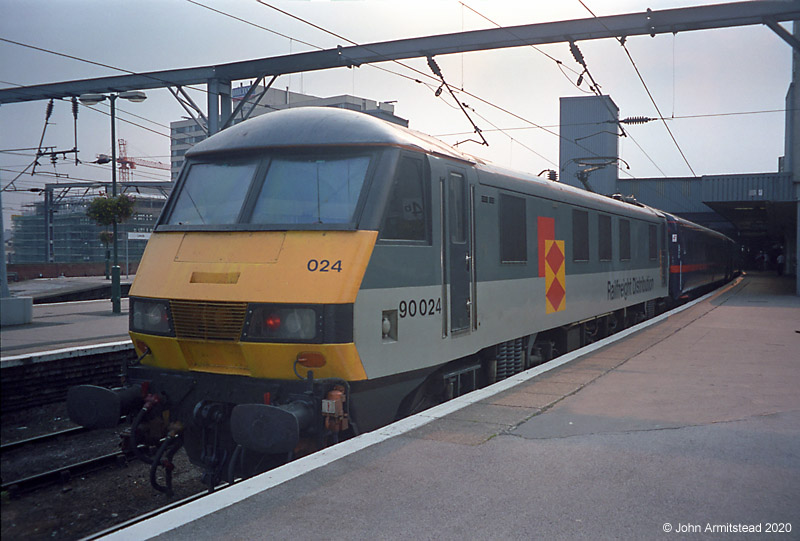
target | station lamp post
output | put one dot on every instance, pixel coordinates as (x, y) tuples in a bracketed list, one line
[(94, 99)]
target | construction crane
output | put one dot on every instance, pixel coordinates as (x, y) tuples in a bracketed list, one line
[(126, 163)]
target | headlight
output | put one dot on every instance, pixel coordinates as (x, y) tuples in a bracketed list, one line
[(281, 323), (150, 316)]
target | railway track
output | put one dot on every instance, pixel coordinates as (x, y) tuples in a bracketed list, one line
[(6, 447), (22, 457), (63, 474), (151, 514)]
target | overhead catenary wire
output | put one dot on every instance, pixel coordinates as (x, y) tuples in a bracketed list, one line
[(482, 100), (51, 175), (351, 42), (79, 59), (517, 141), (647, 90), (125, 120), (150, 175), (500, 124), (558, 62), (119, 118), (678, 117), (73, 57), (167, 83), (20, 173), (576, 53), (12, 184), (48, 114), (660, 115), (293, 39), (579, 58), (70, 178), (438, 72), (251, 23)]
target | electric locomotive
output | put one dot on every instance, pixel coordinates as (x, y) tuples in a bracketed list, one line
[(318, 272)]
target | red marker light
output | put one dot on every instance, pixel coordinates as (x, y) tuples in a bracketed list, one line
[(273, 322)]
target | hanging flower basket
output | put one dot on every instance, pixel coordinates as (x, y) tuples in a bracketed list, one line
[(106, 237), (106, 210)]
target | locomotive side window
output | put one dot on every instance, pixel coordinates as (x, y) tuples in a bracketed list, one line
[(580, 235), (513, 230), (604, 235), (310, 190), (624, 240), (458, 229), (213, 194), (406, 210), (652, 242)]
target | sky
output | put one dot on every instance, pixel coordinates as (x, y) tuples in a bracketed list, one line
[(722, 91)]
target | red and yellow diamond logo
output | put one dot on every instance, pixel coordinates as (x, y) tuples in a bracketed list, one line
[(555, 290), (551, 265)]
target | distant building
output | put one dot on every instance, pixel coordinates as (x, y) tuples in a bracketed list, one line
[(8, 244), (75, 237), (589, 145), (186, 133)]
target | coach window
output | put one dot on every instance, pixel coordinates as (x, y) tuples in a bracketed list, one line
[(580, 235), (604, 235), (407, 209), (513, 230), (652, 242), (624, 240)]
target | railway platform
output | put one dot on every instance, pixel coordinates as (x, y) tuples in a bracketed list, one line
[(65, 325), (66, 289), (687, 428), (65, 344)]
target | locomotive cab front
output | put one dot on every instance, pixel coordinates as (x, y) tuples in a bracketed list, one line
[(252, 277)]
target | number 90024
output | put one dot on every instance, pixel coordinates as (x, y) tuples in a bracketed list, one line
[(421, 307)]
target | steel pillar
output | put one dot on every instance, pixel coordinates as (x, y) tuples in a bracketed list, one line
[(219, 104)]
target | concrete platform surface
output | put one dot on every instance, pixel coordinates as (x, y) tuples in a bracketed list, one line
[(65, 325), (689, 429), (42, 289)]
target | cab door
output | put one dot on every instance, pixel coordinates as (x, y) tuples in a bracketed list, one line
[(458, 243)]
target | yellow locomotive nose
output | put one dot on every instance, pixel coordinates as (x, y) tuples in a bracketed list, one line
[(253, 308)]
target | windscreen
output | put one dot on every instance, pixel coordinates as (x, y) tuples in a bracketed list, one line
[(306, 190), (272, 190), (213, 194)]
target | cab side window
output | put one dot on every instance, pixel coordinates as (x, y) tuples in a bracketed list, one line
[(406, 215)]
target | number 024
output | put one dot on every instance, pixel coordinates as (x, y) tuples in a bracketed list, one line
[(324, 265)]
